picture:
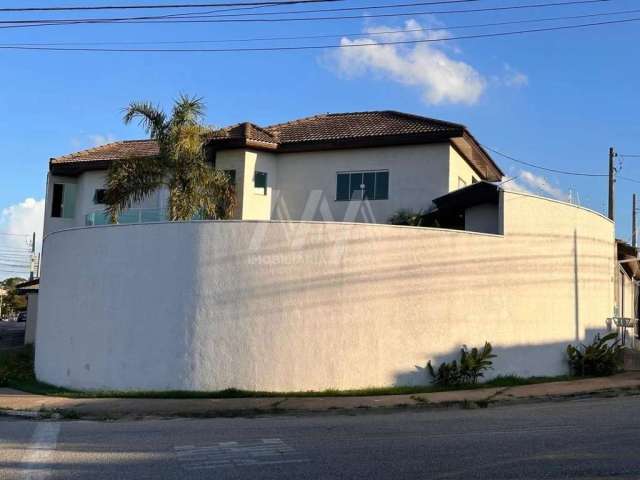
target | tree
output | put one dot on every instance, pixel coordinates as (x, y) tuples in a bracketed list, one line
[(195, 186), (11, 301)]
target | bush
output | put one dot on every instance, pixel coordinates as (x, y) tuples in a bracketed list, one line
[(16, 367), (407, 217), (471, 367), (597, 359)]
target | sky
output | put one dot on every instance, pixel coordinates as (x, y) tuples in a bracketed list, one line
[(558, 99)]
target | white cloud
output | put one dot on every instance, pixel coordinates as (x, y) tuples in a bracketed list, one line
[(529, 182), (97, 139), (440, 78), (22, 219), (92, 140), (514, 78)]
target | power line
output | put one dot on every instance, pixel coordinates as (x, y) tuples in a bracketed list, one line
[(314, 47), (340, 35), (533, 165), (216, 13), (15, 234), (553, 170), (160, 6), (217, 19)]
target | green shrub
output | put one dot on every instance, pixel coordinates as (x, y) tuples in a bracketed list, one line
[(407, 217), (468, 370), (16, 367), (601, 357)]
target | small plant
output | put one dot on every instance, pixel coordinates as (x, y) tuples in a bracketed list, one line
[(447, 375), (468, 370), (602, 357), (408, 217)]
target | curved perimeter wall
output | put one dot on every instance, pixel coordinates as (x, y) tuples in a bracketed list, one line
[(310, 306)]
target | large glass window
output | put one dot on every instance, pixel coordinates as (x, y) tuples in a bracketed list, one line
[(260, 183), (63, 200), (372, 185)]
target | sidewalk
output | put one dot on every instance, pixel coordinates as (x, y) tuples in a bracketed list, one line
[(14, 401)]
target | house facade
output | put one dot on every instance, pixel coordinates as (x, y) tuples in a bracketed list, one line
[(358, 167), (273, 303)]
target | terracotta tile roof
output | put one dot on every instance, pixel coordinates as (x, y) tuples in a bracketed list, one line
[(319, 132), (241, 131), (334, 126), (112, 151)]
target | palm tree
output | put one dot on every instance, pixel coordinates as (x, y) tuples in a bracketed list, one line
[(195, 186)]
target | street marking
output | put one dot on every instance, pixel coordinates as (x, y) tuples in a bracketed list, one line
[(40, 451), (268, 451)]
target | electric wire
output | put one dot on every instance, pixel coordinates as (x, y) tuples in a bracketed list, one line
[(317, 47), (340, 35)]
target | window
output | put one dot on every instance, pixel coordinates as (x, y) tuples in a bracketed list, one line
[(362, 186), (63, 200), (56, 205), (260, 183), (211, 157), (99, 196), (461, 182), (232, 176)]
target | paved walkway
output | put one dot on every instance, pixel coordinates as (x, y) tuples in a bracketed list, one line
[(14, 400)]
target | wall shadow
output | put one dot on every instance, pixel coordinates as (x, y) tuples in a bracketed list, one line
[(545, 359)]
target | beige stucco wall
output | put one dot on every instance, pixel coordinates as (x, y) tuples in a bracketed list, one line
[(625, 295), (302, 186), (234, 160), (53, 224), (32, 319), (86, 185), (256, 204), (307, 182), (459, 169), (309, 306), (483, 218)]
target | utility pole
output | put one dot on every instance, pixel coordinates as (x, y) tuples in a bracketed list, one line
[(33, 257), (634, 225), (612, 183)]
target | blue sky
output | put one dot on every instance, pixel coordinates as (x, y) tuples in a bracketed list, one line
[(557, 99)]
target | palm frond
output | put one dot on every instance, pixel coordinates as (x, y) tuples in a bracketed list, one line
[(187, 110), (188, 141), (132, 180), (195, 187), (150, 117)]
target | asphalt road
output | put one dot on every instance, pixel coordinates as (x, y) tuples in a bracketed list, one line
[(589, 439)]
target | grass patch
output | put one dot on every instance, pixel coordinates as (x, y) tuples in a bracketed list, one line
[(16, 371), (16, 367)]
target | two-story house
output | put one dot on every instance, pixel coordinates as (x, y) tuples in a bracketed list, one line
[(315, 168)]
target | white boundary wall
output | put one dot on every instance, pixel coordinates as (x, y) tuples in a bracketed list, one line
[(287, 306)]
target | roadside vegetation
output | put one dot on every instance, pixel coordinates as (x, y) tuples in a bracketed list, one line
[(470, 368), (603, 356), (16, 371), (11, 302)]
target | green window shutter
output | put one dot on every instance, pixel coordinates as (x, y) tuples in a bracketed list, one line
[(69, 200), (260, 182)]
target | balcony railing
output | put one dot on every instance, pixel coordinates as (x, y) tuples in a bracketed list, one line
[(133, 215)]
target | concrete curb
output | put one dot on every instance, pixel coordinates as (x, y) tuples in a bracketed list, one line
[(19, 404)]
